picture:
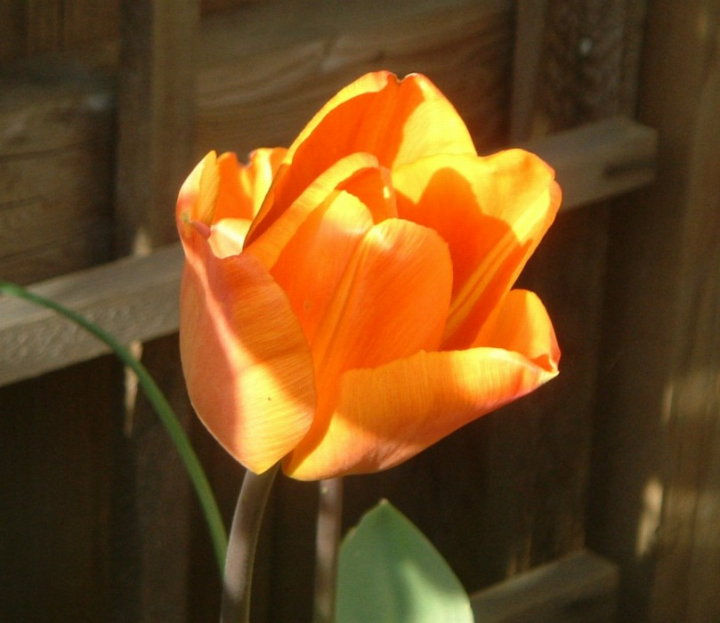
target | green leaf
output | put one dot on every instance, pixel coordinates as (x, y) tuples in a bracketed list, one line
[(390, 573)]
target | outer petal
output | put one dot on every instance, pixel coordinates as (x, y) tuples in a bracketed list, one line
[(398, 121), (391, 303), (198, 196), (521, 324), (247, 365), (387, 415), (492, 212)]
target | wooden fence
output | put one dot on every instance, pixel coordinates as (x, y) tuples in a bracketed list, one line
[(105, 106)]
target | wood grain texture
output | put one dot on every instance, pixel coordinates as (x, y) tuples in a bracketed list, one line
[(256, 85), (137, 298), (29, 27), (654, 494), (577, 589), (55, 166), (156, 112), (260, 89)]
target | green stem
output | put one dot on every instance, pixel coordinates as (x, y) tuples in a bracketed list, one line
[(165, 412), (244, 534), (327, 546)]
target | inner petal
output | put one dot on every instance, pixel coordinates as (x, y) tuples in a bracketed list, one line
[(391, 302), (313, 262)]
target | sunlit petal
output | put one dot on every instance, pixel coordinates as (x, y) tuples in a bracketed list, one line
[(521, 324), (388, 415), (271, 240), (391, 303), (312, 264), (246, 362), (198, 195), (397, 121)]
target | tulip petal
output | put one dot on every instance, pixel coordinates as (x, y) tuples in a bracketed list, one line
[(268, 245), (243, 187), (521, 324), (198, 195), (492, 211), (247, 365), (385, 416), (391, 303), (313, 262), (228, 236), (398, 121)]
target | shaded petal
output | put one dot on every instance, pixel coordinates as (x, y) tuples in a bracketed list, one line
[(246, 362), (256, 178), (492, 211), (398, 121), (386, 416), (390, 304)]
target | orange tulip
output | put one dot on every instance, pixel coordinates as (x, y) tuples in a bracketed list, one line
[(347, 302)]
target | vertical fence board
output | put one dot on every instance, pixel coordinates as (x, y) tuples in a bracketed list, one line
[(654, 495), (55, 496), (155, 152)]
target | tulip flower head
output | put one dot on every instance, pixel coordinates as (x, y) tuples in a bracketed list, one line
[(348, 302)]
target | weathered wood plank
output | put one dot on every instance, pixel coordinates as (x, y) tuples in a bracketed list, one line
[(137, 298), (56, 493), (580, 588), (656, 478), (600, 160), (55, 167), (529, 33), (259, 90), (156, 112), (255, 86)]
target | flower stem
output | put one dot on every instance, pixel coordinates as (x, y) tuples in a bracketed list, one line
[(244, 535), (329, 530), (162, 407)]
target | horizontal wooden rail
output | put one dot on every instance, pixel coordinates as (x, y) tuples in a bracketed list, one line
[(576, 589), (137, 298)]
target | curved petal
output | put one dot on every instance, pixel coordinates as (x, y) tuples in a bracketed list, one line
[(391, 303), (387, 415), (220, 188), (228, 236), (521, 324), (270, 240), (313, 262), (198, 196), (398, 121), (492, 211), (247, 365), (257, 176)]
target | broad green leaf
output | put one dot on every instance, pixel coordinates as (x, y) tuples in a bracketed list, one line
[(390, 573)]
